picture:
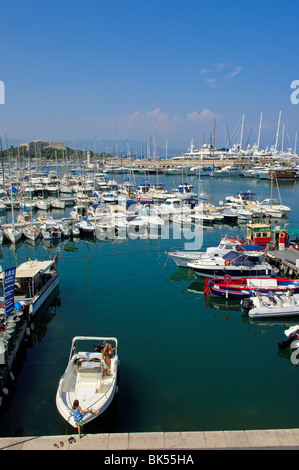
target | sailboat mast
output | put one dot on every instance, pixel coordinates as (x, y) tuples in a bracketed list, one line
[(277, 133), (242, 129), (259, 136), (282, 139)]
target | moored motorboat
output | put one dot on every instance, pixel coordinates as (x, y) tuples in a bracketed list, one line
[(226, 244), (276, 305), (35, 281), (234, 264), (51, 230), (87, 378), (242, 287)]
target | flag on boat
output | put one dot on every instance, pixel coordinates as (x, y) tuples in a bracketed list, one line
[(14, 190)]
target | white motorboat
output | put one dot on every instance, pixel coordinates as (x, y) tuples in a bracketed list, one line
[(185, 191), (79, 211), (278, 305), (57, 203), (85, 226), (42, 204), (227, 244), (68, 227), (226, 171), (35, 281), (229, 214), (105, 228), (274, 205), (85, 380), (51, 230), (151, 218), (173, 206), (233, 265)]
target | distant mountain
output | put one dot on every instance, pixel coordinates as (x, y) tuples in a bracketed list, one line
[(120, 147)]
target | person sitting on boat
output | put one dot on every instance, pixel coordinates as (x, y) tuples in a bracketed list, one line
[(78, 415)]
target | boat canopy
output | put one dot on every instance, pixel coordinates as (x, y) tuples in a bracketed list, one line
[(31, 268), (252, 248), (238, 259)]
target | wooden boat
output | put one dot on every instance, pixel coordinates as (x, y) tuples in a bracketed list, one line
[(84, 379)]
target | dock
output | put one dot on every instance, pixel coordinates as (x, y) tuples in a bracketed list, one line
[(161, 443), (287, 261)]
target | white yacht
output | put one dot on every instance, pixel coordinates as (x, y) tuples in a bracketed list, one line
[(227, 244)]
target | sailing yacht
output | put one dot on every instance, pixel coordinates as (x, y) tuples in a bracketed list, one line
[(12, 233)]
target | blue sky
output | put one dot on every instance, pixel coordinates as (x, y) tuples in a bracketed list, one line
[(135, 69)]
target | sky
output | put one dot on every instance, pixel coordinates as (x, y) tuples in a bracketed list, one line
[(149, 71)]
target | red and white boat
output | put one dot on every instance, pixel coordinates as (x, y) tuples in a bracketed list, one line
[(241, 287)]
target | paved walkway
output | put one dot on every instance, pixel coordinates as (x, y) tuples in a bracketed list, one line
[(163, 441)]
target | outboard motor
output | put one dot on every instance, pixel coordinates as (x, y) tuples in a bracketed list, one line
[(284, 344)]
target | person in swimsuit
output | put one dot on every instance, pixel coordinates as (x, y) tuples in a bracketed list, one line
[(78, 415)]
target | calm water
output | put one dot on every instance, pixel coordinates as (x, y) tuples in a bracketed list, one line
[(186, 364)]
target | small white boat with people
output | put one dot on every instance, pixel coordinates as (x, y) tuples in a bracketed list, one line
[(272, 305), (90, 378)]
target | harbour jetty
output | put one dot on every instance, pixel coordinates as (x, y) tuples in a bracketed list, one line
[(287, 260), (171, 442)]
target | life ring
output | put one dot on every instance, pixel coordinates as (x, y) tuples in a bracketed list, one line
[(227, 262), (227, 278)]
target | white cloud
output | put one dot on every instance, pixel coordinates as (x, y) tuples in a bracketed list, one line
[(219, 72)]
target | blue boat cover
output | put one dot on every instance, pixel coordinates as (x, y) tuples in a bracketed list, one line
[(253, 247)]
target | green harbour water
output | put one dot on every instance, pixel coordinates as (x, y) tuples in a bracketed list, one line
[(187, 362)]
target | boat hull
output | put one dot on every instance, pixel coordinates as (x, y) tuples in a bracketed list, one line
[(220, 272), (271, 312)]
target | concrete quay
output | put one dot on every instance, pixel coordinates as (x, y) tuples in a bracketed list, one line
[(164, 442)]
